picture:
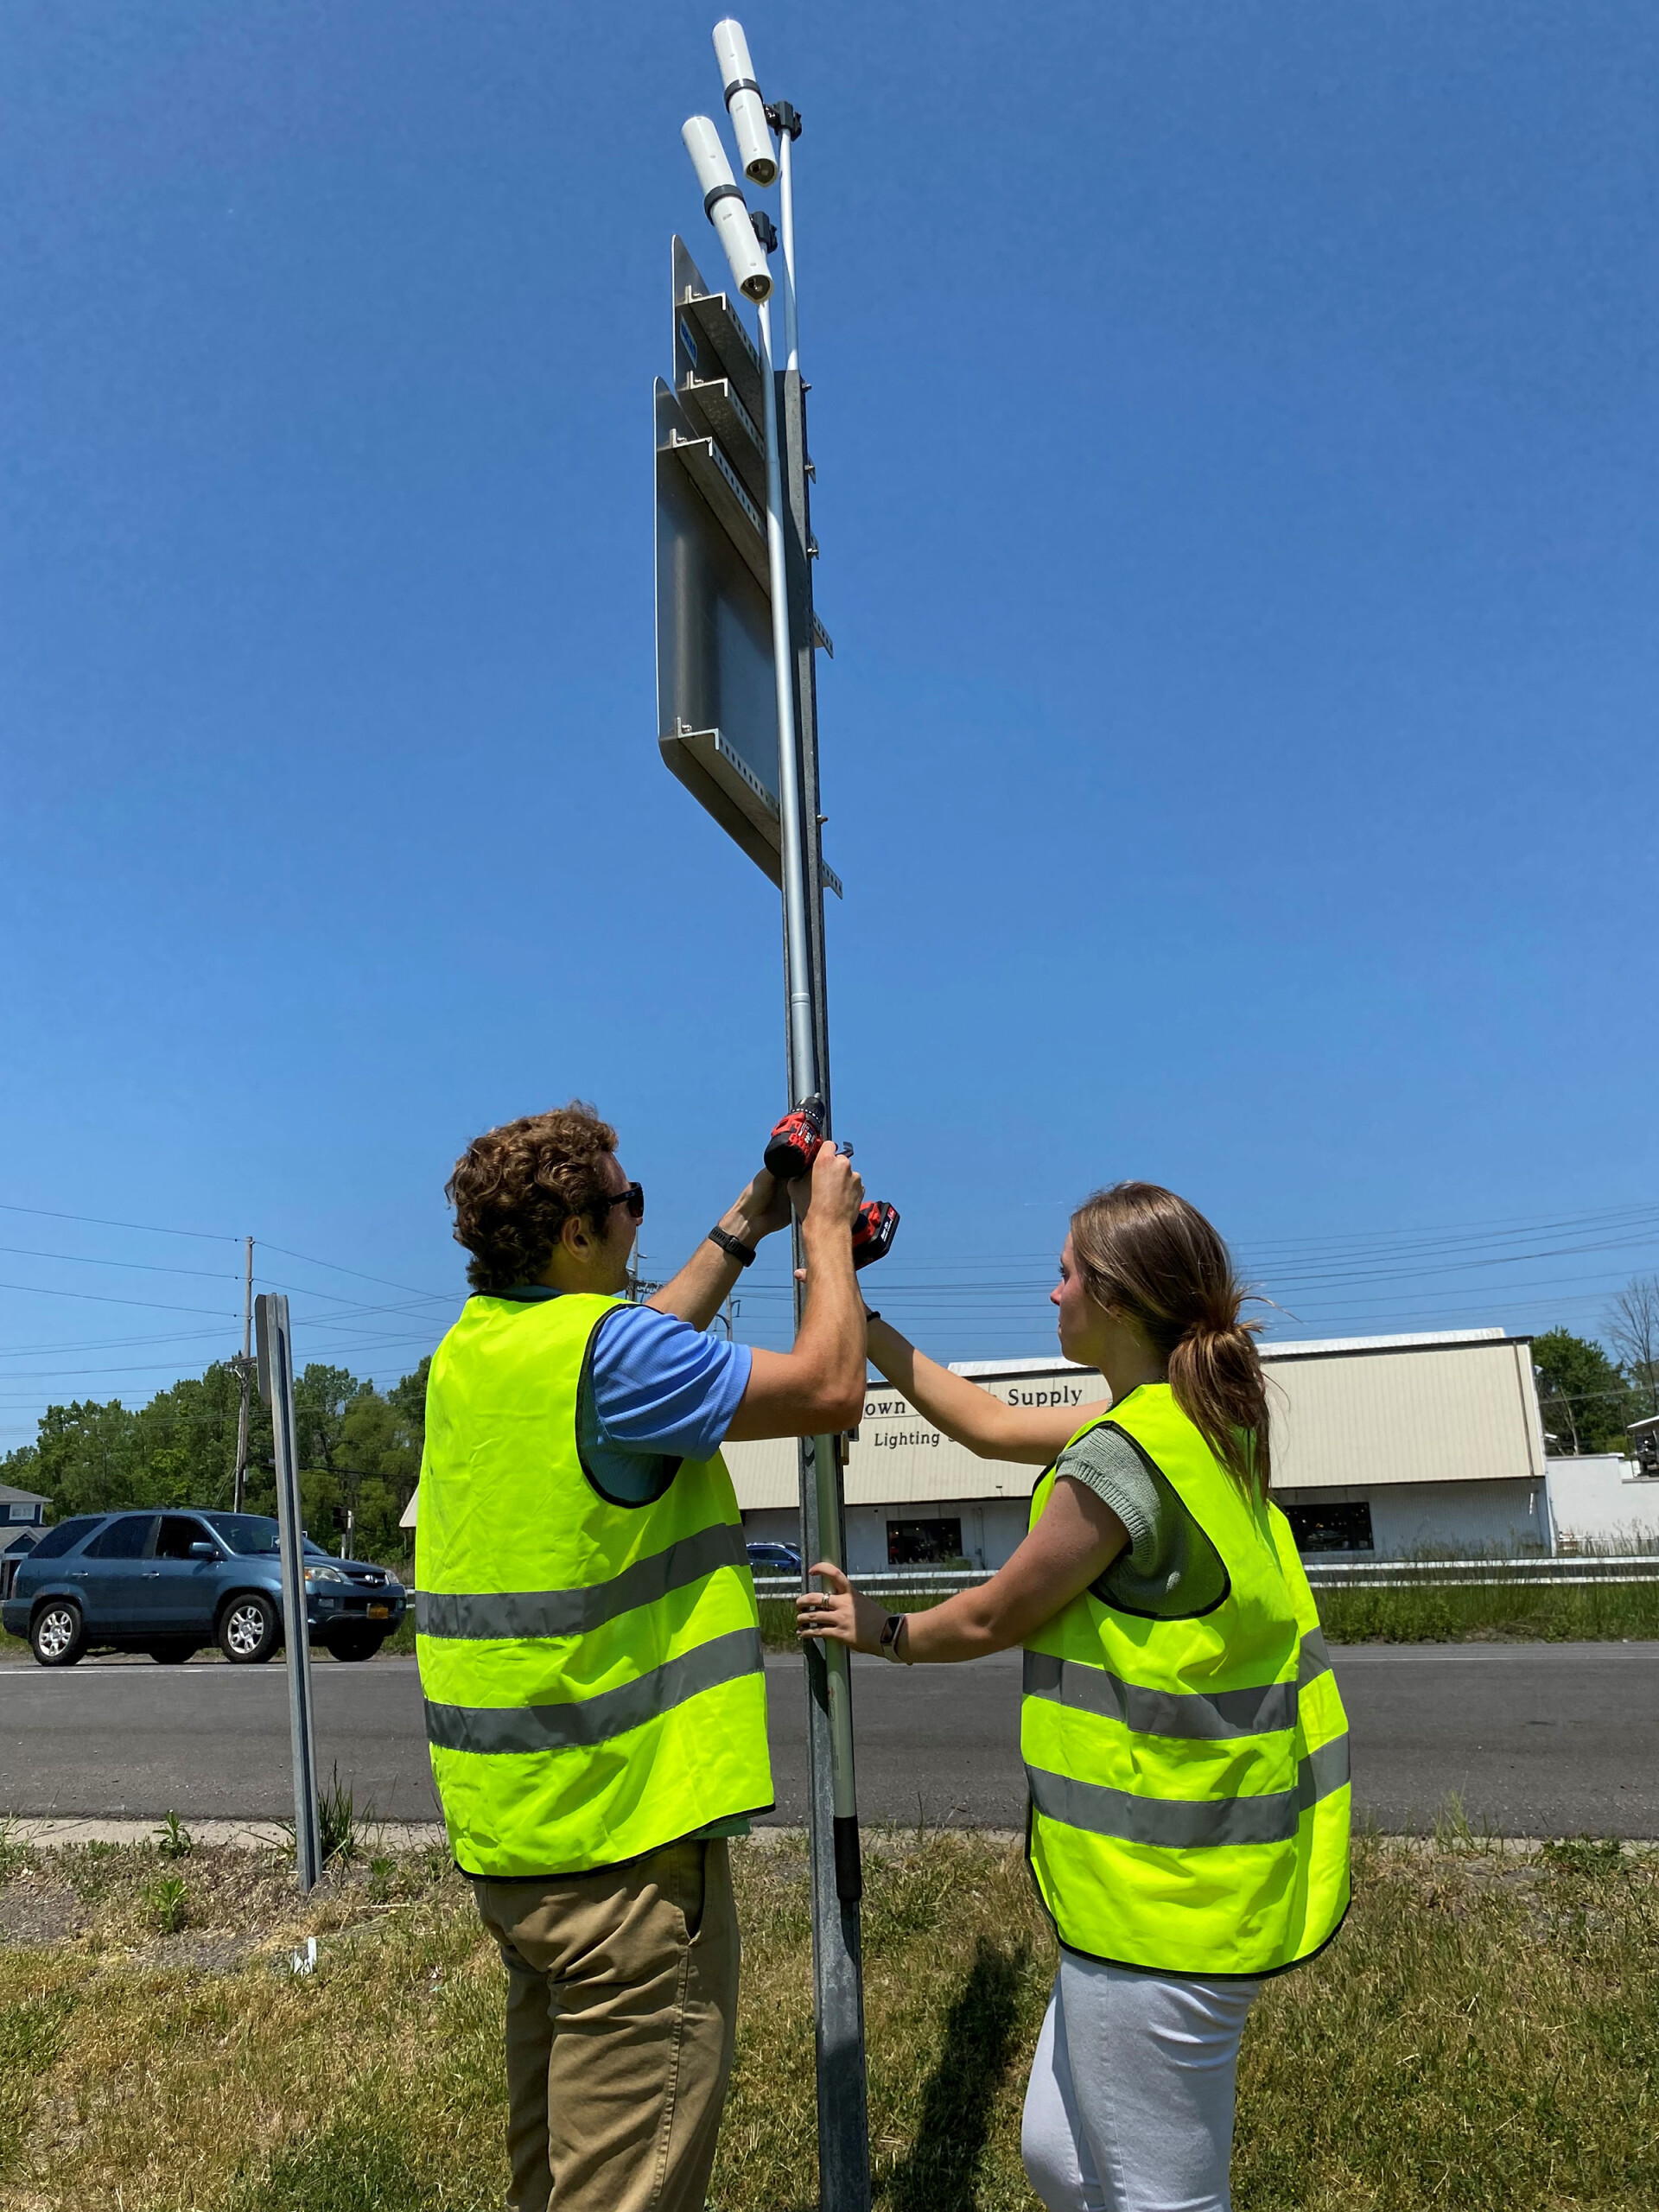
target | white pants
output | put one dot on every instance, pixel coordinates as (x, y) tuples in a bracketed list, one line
[(1130, 2103)]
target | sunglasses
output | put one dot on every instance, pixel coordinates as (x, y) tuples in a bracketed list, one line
[(633, 1198)]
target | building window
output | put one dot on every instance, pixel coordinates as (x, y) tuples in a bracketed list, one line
[(24, 1512), (1330, 1528), (923, 1543)]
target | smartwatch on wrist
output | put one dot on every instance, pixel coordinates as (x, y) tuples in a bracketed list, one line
[(734, 1246)]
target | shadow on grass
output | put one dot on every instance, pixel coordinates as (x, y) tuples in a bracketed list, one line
[(941, 2173), (351, 2166)]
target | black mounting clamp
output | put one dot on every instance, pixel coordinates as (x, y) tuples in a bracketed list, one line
[(764, 229), (784, 118)]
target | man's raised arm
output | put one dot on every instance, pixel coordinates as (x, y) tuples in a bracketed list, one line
[(818, 1388), (705, 1282)]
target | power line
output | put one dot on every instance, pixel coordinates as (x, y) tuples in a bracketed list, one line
[(1465, 1232), (100, 1298), (107, 1344), (966, 1305), (164, 1367), (149, 1266), (145, 1227), (383, 1281)]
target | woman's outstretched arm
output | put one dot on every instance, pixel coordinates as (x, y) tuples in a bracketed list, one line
[(1076, 1540), (1030, 1434)]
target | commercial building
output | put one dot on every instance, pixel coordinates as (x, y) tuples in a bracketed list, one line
[(1384, 1446)]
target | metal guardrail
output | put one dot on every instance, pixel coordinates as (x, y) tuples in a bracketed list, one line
[(1324, 1574), (890, 1582), (1564, 1570)]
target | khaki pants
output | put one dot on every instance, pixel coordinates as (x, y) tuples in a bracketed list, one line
[(621, 2012)]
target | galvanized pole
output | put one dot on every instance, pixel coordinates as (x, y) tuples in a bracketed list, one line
[(799, 546), (276, 1388), (243, 1376), (801, 1033), (837, 1881), (843, 2147)]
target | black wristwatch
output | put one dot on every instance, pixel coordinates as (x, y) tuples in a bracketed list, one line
[(734, 1246)]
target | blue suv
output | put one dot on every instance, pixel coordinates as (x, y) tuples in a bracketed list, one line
[(773, 1558), (167, 1583)]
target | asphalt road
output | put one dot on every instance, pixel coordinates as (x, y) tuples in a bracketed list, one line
[(1534, 1738)]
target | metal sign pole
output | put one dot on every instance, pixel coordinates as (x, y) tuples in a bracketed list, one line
[(838, 1879), (276, 1389), (843, 2129), (737, 723)]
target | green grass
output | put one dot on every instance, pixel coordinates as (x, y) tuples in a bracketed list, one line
[(1588, 1612), (1482, 2036), (402, 1639)]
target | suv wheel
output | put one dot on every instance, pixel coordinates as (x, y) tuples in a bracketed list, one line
[(249, 1630), (354, 1643), (57, 1634)]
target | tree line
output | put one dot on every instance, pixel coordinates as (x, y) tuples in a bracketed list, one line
[(359, 1449), (1590, 1394)]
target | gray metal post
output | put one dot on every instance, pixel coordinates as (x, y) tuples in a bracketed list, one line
[(276, 1388), (803, 1040), (837, 1882), (732, 593)]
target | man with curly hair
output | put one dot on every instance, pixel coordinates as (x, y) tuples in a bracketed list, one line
[(589, 1645)]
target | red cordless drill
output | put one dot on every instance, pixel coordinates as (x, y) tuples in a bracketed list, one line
[(790, 1150), (795, 1143)]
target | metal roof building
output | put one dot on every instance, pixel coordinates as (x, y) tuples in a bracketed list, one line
[(1383, 1445)]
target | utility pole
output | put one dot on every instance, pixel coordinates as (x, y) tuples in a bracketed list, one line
[(242, 1368)]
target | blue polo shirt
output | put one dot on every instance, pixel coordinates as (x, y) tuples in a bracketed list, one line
[(656, 1390)]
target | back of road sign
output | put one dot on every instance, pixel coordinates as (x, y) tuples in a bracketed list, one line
[(716, 703)]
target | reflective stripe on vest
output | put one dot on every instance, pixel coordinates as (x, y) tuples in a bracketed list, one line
[(1177, 1713), (482, 1615), (490, 1729), (1189, 1779), (593, 1672)]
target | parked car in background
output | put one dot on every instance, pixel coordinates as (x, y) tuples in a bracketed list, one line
[(773, 1558), (168, 1583)]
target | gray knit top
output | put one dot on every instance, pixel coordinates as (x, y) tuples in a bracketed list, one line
[(1170, 1570)]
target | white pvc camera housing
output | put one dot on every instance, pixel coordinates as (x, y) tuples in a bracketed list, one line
[(724, 205), (744, 104)]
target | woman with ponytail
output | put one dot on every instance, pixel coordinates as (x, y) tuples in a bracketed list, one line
[(1185, 1750)]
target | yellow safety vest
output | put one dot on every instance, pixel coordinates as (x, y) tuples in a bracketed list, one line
[(1189, 1779), (592, 1671)]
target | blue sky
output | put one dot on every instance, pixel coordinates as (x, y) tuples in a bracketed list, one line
[(1235, 438)]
